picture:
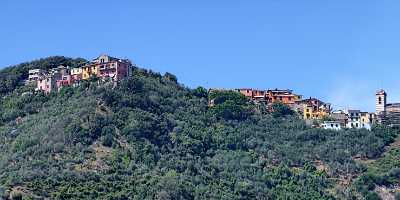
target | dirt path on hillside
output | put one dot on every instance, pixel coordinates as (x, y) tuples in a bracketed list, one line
[(385, 193)]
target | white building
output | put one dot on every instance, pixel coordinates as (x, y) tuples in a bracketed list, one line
[(35, 75), (332, 125), (354, 119), (358, 119)]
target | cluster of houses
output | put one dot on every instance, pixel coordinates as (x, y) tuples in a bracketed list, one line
[(104, 67), (314, 110), (385, 113)]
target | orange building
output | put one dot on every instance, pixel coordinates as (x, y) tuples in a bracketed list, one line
[(247, 92), (284, 96), (271, 96), (256, 95)]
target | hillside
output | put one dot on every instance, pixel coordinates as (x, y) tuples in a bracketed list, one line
[(152, 138)]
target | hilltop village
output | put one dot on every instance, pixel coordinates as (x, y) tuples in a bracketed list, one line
[(104, 67), (314, 111), (320, 114)]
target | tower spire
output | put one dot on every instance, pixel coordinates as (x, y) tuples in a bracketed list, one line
[(381, 101)]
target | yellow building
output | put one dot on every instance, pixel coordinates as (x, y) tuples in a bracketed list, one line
[(313, 108), (89, 70), (368, 118)]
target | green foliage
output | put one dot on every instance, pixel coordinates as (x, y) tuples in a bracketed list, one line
[(230, 105), (281, 110), (108, 133), (200, 92), (171, 77), (383, 172), (372, 196), (220, 97), (12, 77), (151, 138), (230, 110)]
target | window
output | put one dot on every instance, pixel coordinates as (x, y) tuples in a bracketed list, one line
[(380, 100), (337, 125), (357, 125), (332, 125)]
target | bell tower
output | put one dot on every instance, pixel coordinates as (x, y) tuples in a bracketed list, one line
[(380, 101)]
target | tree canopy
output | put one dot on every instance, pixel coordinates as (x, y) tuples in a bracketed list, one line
[(152, 138)]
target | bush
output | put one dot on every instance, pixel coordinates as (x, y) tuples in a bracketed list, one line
[(200, 92), (281, 110), (397, 196), (372, 196), (108, 140)]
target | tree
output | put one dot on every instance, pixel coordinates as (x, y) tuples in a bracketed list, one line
[(200, 92), (280, 110)]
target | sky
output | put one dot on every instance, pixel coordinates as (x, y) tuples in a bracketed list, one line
[(339, 51)]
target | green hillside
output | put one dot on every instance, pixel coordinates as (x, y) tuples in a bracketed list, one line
[(152, 138)]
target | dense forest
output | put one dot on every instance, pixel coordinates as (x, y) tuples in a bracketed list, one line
[(151, 137)]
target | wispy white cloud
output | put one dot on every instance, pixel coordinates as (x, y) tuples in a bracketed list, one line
[(350, 93)]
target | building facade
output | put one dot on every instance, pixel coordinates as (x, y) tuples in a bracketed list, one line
[(332, 125), (339, 116), (65, 80), (354, 119), (367, 120), (271, 96), (387, 113), (255, 95), (283, 96), (107, 67), (76, 73), (104, 67), (35, 75), (48, 83), (313, 108), (381, 101)]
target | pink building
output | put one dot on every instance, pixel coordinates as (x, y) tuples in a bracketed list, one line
[(47, 84), (66, 80), (113, 68)]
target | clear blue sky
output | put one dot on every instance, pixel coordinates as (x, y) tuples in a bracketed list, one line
[(340, 51)]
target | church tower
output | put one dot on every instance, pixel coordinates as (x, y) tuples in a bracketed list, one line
[(380, 101)]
